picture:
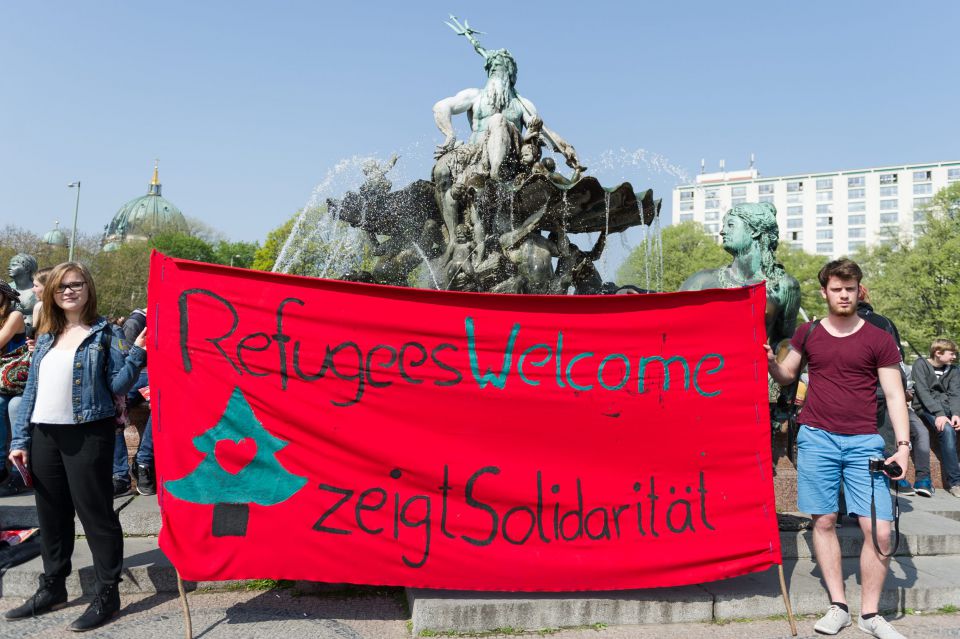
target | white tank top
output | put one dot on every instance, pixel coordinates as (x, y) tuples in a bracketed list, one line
[(54, 403)]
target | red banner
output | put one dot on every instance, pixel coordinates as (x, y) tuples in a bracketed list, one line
[(339, 432)]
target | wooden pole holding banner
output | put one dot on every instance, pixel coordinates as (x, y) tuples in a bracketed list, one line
[(188, 624), (786, 601)]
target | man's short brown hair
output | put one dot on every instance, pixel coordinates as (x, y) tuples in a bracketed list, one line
[(942, 344), (843, 269)]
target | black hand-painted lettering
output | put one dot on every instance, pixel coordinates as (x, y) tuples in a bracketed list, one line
[(185, 327), (347, 494)]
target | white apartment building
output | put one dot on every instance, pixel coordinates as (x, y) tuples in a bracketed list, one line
[(831, 214)]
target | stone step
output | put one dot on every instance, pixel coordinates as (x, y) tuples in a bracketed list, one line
[(927, 526), (146, 570), (139, 515), (918, 583)]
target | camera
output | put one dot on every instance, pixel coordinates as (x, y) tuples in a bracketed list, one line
[(893, 469)]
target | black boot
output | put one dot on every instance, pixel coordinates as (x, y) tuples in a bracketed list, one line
[(105, 606), (51, 595)]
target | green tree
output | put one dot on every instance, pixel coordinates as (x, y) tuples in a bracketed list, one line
[(321, 247), (184, 246), (805, 267), (265, 256), (687, 248), (235, 253), (918, 286)]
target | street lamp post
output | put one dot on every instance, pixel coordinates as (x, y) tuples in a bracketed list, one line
[(76, 208), (235, 257)]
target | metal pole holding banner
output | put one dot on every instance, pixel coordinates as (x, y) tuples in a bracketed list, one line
[(187, 623), (786, 601)]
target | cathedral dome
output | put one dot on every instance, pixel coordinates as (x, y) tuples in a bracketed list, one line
[(143, 217), (55, 237)]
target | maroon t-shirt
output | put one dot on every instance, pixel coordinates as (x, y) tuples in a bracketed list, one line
[(842, 391)]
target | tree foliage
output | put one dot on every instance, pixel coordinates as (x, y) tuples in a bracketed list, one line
[(687, 248), (805, 267), (918, 286)]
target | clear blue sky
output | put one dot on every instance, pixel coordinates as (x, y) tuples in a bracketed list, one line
[(249, 105)]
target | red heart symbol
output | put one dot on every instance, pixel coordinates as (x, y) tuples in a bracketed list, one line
[(234, 456)]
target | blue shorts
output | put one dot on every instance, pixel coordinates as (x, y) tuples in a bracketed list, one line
[(825, 459)]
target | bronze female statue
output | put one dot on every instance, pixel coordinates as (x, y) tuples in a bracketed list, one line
[(750, 234)]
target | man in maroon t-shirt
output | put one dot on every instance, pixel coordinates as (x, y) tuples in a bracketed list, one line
[(846, 357)]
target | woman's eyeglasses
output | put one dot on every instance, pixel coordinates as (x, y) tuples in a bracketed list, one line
[(73, 286)]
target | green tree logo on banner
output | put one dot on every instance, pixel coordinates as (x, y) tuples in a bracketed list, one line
[(260, 480)]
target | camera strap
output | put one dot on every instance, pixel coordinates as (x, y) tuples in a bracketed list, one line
[(896, 519)]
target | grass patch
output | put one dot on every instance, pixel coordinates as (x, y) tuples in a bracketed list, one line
[(949, 609)]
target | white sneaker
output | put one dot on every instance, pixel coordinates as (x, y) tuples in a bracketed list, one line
[(833, 622), (879, 627)]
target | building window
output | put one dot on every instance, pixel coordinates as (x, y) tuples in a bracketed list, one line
[(710, 193), (919, 215), (889, 218), (888, 205), (794, 187), (766, 189), (921, 202), (795, 223), (796, 236), (712, 228), (922, 176), (765, 198), (825, 184), (824, 196), (888, 191), (856, 194), (855, 181), (825, 221), (738, 191), (825, 234), (856, 207), (824, 247), (888, 178), (853, 220), (794, 210), (686, 195), (686, 206), (686, 217), (738, 200), (854, 245), (953, 175), (711, 204), (711, 216), (923, 189), (824, 209), (857, 233), (794, 198), (919, 229)]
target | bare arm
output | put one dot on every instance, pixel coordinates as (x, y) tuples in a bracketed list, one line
[(785, 372), (557, 143), (597, 250), (897, 409), (445, 109), (13, 326)]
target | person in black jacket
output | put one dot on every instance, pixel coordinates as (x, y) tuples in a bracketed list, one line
[(144, 471), (920, 438), (936, 398)]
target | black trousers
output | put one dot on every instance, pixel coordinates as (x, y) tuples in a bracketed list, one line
[(72, 467)]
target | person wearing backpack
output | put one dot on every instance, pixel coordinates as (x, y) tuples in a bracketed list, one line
[(846, 358)]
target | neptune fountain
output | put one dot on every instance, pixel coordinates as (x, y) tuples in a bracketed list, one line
[(496, 215)]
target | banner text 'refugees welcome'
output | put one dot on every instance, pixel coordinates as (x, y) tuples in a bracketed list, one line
[(577, 370)]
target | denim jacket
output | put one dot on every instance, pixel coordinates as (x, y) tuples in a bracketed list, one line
[(97, 377)]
